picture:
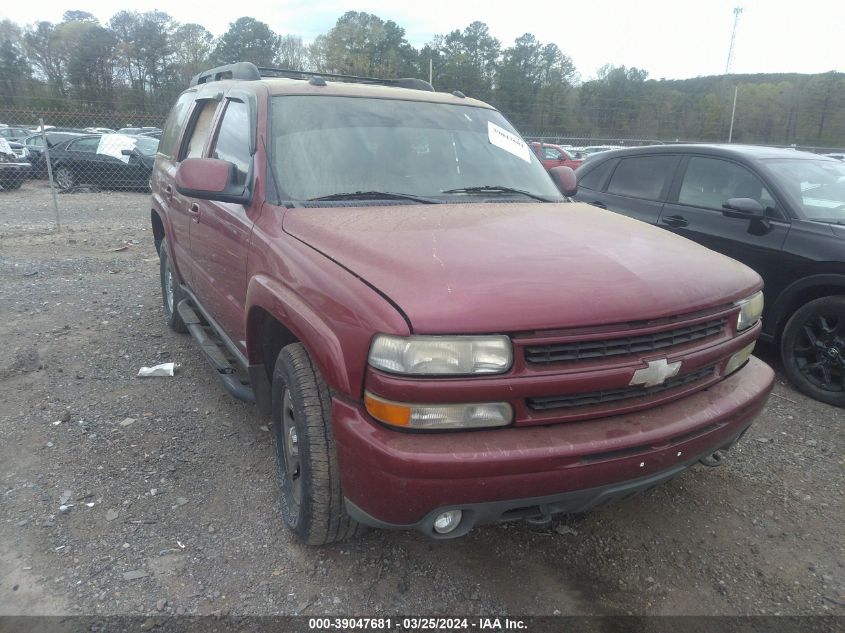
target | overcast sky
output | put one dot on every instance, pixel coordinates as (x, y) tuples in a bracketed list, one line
[(668, 38)]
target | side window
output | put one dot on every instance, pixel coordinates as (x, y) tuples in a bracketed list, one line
[(550, 153), (85, 145), (174, 123), (642, 176), (709, 182), (35, 141), (232, 143), (594, 179), (203, 117)]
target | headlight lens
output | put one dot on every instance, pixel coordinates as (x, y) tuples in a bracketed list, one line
[(750, 311), (441, 355), (439, 416), (738, 360)]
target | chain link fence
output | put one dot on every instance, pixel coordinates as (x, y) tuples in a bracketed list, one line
[(69, 152)]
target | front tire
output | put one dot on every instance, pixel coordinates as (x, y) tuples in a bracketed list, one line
[(171, 292), (306, 458), (813, 349)]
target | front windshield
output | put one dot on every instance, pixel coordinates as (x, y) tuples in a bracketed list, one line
[(816, 187), (324, 146)]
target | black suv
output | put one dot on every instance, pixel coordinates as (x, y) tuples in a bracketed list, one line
[(779, 211)]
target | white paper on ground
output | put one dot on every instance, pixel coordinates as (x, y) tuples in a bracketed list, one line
[(500, 137), (165, 369)]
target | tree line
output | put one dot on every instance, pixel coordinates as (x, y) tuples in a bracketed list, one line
[(139, 61)]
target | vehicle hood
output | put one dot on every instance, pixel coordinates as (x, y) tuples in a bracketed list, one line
[(472, 268)]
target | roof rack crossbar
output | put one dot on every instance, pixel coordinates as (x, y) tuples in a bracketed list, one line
[(405, 82), (247, 71), (244, 71)]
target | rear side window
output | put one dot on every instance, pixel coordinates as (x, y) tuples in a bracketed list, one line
[(174, 123), (85, 145), (642, 176), (204, 115), (594, 179), (232, 142)]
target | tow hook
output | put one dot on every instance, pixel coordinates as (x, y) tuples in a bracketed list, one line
[(543, 517), (714, 460)]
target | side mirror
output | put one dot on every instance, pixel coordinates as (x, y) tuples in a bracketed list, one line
[(211, 179), (565, 180), (743, 209)]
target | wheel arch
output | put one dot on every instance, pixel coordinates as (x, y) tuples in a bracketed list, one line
[(276, 316), (800, 292)]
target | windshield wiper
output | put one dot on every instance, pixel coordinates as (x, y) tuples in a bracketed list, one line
[(375, 195), (498, 189)]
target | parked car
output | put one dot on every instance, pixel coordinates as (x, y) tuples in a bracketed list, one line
[(14, 134), (440, 339), (836, 155), (100, 130), (554, 156), (13, 168), (116, 161), (35, 146), (779, 211)]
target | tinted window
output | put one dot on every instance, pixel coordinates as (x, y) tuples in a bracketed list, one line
[(709, 182), (594, 179), (203, 116), (642, 176), (85, 145), (232, 142), (174, 124)]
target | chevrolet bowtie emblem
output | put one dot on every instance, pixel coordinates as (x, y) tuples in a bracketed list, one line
[(655, 374)]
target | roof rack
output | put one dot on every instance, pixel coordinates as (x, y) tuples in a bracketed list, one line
[(247, 71)]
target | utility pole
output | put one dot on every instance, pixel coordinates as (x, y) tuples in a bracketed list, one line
[(733, 114), (430, 69), (737, 12)]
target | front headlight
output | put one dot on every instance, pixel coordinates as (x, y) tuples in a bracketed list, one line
[(439, 416), (750, 311), (441, 355)]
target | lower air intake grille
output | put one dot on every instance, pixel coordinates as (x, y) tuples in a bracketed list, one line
[(592, 398)]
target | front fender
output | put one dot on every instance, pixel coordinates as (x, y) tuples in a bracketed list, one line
[(335, 332)]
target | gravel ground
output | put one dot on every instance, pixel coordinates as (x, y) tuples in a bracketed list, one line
[(170, 497)]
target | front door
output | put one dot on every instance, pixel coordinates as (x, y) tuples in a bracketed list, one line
[(695, 211)]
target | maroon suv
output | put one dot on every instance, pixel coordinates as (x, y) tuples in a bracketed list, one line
[(441, 338)]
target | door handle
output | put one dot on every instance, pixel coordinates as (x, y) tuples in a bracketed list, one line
[(675, 221), (194, 212), (600, 205)]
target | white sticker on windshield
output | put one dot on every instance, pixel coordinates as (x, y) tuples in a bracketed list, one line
[(500, 137)]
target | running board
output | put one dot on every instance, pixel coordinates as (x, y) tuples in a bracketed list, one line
[(214, 353)]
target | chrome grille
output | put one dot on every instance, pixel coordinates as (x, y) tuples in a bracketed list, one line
[(571, 401)]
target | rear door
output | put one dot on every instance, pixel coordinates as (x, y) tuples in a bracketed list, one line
[(192, 144), (694, 210), (80, 156), (637, 186), (220, 231)]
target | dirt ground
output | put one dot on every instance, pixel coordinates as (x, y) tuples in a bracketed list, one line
[(169, 492)]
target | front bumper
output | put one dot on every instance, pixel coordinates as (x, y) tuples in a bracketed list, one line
[(404, 480)]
